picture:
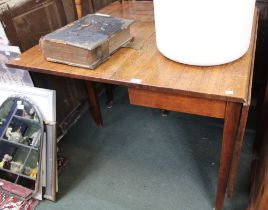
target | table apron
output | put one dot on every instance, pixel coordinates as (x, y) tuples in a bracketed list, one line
[(178, 103)]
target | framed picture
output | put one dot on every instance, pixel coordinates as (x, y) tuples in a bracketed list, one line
[(44, 99)]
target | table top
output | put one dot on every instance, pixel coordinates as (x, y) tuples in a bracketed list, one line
[(142, 65)]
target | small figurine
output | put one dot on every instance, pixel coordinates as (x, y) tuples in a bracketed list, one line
[(9, 132), (27, 171), (35, 138), (34, 172), (20, 108), (6, 162), (2, 122), (19, 112), (30, 113), (14, 136), (16, 166)]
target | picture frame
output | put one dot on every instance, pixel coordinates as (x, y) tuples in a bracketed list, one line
[(44, 99)]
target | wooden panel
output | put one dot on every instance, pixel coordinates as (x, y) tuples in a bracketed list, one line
[(261, 64), (143, 61), (87, 7), (37, 22), (186, 104), (98, 4), (70, 94), (70, 10), (91, 6), (259, 188)]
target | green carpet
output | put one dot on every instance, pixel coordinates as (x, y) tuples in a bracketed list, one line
[(140, 160)]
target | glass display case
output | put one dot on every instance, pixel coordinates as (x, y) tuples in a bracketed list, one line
[(21, 135)]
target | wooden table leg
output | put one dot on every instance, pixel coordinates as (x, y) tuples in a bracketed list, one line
[(237, 149), (109, 95), (94, 103), (231, 121)]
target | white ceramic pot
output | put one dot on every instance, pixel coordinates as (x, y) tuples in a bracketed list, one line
[(203, 32)]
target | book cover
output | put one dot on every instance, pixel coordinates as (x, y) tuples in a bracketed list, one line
[(86, 42)]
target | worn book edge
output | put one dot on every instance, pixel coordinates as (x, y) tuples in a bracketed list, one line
[(93, 57), (126, 25)]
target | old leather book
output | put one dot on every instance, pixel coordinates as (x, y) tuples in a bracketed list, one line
[(86, 42)]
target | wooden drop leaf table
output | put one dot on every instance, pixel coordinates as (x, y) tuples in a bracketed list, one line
[(154, 81)]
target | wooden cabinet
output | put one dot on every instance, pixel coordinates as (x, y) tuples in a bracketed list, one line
[(91, 6), (259, 186), (261, 54), (259, 189), (30, 20), (35, 21), (25, 21), (98, 4)]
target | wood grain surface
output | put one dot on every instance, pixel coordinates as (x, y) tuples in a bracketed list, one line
[(174, 102), (142, 61)]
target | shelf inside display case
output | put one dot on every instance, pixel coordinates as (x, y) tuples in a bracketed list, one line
[(18, 174), (19, 144), (23, 131), (27, 120)]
